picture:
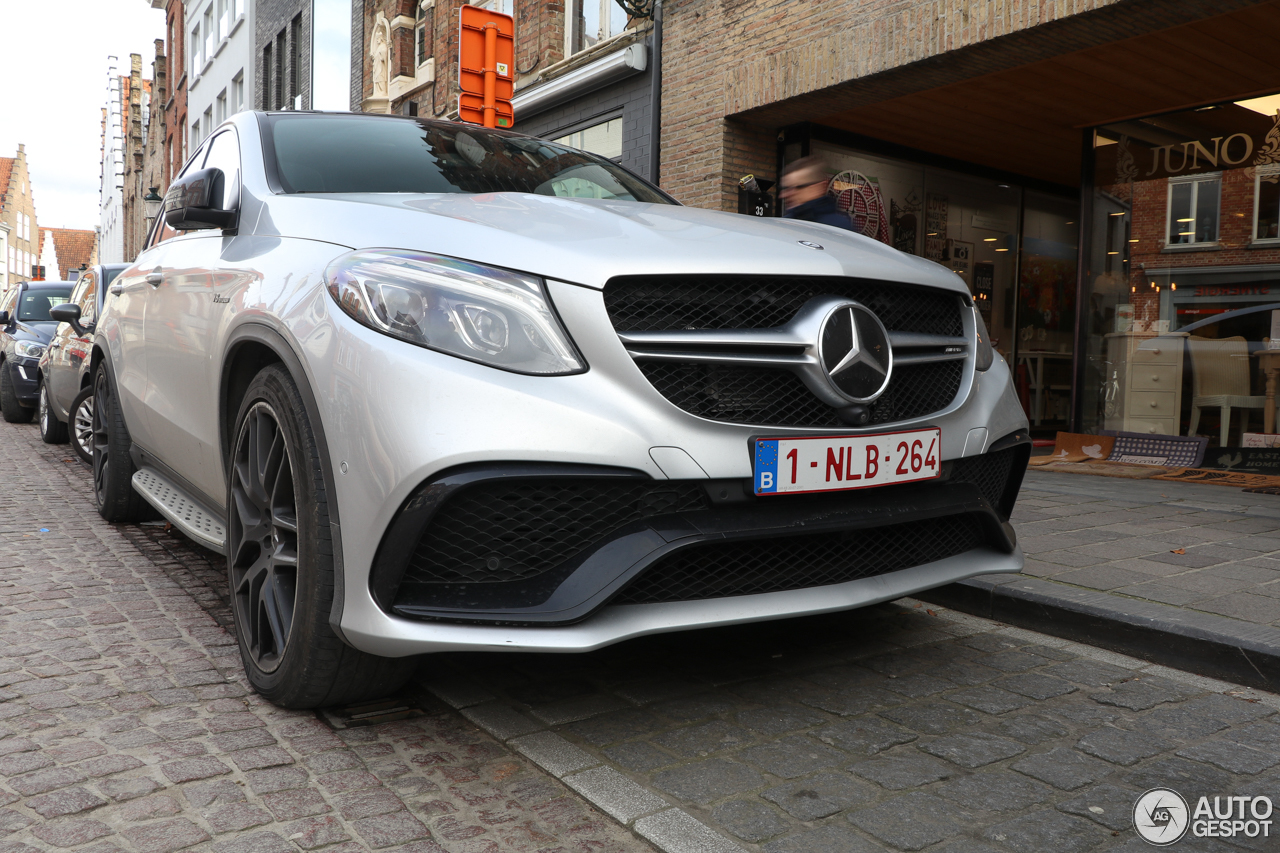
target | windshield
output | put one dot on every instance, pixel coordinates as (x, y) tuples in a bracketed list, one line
[(35, 304), (341, 154)]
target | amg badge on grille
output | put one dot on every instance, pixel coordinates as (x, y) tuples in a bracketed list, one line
[(855, 352)]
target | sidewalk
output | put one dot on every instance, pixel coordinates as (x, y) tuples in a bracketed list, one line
[(1178, 573)]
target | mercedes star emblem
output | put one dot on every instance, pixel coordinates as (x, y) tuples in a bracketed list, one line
[(854, 348)]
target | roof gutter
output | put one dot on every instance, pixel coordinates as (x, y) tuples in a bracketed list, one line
[(616, 66)]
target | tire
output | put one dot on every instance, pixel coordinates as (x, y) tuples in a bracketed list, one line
[(280, 560), (13, 411), (80, 425), (52, 430), (113, 468)]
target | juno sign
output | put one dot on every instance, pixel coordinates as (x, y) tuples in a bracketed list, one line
[(486, 66)]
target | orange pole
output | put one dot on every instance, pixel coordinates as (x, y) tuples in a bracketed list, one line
[(490, 75)]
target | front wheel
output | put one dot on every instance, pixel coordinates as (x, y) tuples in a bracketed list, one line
[(13, 411), (52, 430), (113, 468), (80, 423), (280, 560)]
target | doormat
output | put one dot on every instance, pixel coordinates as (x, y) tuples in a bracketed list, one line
[(1075, 447), (1244, 460), (1103, 469), (1221, 478), (1174, 451)]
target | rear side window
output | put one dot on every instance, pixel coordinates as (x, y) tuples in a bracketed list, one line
[(35, 304), (334, 154)]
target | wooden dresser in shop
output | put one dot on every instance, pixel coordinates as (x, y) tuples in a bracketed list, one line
[(1144, 382)]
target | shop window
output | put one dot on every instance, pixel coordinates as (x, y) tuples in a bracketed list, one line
[(604, 139), (1266, 212), (1193, 210), (595, 21)]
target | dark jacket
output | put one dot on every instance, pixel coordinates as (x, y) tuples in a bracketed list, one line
[(822, 210)]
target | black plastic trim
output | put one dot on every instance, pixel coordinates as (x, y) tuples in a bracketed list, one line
[(575, 590)]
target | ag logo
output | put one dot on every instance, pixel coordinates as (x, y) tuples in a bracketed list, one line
[(1161, 816)]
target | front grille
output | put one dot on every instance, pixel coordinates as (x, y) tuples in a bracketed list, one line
[(514, 530), (775, 397), (661, 303), (800, 562)]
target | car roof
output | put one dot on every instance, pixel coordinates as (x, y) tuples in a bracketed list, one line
[(37, 285)]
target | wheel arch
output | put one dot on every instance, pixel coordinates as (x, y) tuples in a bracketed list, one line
[(251, 347)]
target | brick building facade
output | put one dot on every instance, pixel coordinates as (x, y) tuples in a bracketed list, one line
[(571, 76), (175, 104), (18, 212)]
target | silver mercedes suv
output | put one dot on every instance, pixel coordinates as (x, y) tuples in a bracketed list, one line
[(433, 387)]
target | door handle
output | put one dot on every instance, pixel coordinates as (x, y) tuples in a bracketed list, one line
[(116, 289), (156, 277)]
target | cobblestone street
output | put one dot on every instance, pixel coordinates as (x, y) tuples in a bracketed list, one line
[(125, 725)]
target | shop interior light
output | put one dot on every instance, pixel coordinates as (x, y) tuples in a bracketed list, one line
[(1188, 219), (989, 239), (932, 234), (1133, 239), (1113, 253), (1002, 250), (1173, 287), (1186, 233), (1072, 222), (1118, 213), (1133, 289)]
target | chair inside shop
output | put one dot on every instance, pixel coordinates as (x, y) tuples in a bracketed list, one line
[(1220, 380)]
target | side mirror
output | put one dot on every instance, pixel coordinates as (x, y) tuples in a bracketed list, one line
[(68, 312), (193, 202), (4, 318)]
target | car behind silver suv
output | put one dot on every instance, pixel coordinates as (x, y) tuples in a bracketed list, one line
[(432, 387)]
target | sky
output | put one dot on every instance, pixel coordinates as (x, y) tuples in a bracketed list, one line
[(55, 87)]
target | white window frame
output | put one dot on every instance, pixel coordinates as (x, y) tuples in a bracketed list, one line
[(1259, 173), (197, 55), (195, 131), (237, 92), (571, 19), (1195, 181)]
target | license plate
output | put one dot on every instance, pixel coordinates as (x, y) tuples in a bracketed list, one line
[(835, 463)]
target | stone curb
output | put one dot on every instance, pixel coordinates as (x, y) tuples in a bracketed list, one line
[(666, 827), (1202, 643)]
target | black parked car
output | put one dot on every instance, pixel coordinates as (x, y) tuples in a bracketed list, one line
[(25, 329), (66, 392)]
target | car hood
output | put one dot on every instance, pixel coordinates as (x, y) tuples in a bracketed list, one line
[(588, 241), (35, 330)]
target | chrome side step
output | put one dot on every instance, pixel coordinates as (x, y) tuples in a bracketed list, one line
[(185, 514)]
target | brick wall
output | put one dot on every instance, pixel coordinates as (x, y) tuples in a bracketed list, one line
[(175, 105), (741, 57)]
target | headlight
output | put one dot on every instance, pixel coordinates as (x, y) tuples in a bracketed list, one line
[(985, 354), (28, 349), (481, 313)]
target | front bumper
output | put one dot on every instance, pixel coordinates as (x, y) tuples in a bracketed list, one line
[(399, 417), (25, 375)]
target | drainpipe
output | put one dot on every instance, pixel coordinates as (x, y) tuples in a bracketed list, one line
[(655, 94)]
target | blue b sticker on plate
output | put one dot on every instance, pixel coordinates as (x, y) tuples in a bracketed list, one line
[(766, 466)]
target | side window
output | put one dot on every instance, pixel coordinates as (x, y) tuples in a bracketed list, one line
[(224, 154), (85, 297)]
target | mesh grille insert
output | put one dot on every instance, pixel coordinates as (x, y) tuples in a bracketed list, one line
[(989, 472), (776, 397), (515, 530), (800, 562), (658, 303)]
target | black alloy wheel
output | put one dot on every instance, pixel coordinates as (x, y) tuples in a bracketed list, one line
[(280, 561), (52, 430), (80, 425), (263, 537)]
